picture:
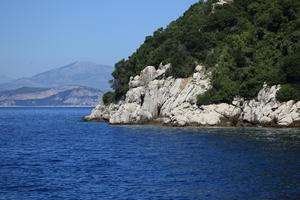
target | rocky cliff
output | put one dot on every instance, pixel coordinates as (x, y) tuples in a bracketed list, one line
[(155, 98)]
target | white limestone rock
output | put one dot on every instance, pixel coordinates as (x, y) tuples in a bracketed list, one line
[(135, 82), (221, 2), (266, 109), (152, 96), (261, 109)]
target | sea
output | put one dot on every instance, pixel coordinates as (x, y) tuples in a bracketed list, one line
[(47, 153)]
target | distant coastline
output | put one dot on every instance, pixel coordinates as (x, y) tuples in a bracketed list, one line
[(63, 106)]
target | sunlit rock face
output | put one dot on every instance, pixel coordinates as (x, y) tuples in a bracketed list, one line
[(154, 97), (221, 2), (266, 109)]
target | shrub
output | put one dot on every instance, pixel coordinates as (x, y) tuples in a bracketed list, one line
[(108, 98), (288, 92), (291, 66), (204, 99), (182, 66), (224, 93)]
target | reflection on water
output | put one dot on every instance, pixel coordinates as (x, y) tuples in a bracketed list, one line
[(288, 136), (48, 154)]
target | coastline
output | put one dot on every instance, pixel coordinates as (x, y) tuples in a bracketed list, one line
[(71, 106), (153, 98), (223, 123)]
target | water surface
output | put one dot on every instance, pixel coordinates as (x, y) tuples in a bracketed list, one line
[(46, 153)]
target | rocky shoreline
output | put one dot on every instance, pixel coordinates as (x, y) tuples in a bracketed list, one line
[(223, 123), (153, 98)]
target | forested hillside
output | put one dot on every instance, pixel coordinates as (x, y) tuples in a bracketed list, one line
[(243, 43)]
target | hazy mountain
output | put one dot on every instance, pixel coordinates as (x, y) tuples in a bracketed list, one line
[(5, 79), (78, 73), (58, 96)]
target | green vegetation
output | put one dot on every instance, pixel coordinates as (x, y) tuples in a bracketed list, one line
[(287, 92), (108, 98), (244, 43)]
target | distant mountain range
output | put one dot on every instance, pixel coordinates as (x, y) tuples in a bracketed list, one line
[(76, 84), (87, 74), (58, 96)]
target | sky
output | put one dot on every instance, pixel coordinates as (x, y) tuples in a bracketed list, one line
[(38, 35)]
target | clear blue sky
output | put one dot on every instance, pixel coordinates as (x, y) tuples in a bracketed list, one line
[(37, 35)]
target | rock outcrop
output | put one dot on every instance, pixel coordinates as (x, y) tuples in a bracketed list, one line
[(155, 98), (221, 2)]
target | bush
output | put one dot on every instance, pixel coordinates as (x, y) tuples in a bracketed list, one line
[(291, 66), (182, 66), (288, 92), (204, 99), (223, 88), (224, 92), (108, 98)]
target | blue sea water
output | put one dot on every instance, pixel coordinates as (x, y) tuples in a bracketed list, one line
[(46, 153)]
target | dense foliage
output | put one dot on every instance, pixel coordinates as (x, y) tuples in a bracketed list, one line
[(288, 92), (244, 43), (108, 97)]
